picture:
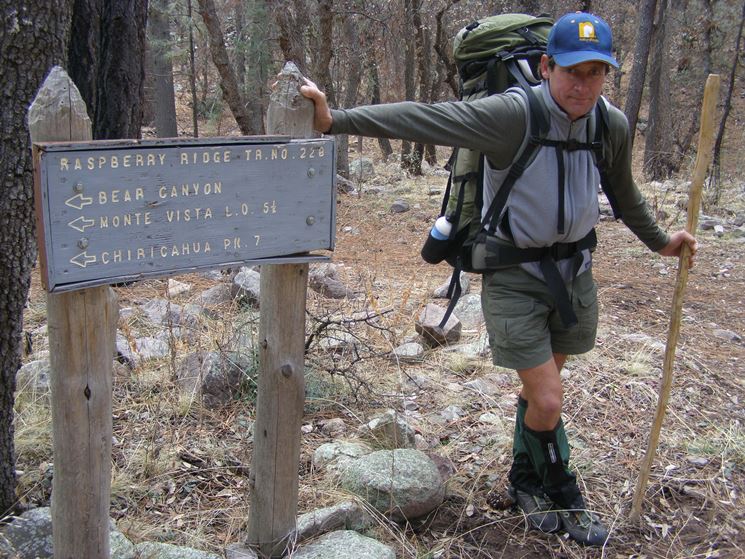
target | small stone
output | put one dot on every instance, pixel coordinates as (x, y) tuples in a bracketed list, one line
[(400, 206), (411, 352), (177, 288), (452, 413), (333, 427), (698, 461)]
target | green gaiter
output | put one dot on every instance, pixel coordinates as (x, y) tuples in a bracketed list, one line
[(549, 454)]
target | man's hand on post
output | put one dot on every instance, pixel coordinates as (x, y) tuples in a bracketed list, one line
[(322, 116)]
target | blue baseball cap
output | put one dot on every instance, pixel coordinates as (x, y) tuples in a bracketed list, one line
[(580, 37)]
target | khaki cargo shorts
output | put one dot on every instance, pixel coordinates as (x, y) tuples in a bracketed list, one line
[(523, 322)]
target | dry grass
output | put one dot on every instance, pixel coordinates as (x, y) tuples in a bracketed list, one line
[(180, 470)]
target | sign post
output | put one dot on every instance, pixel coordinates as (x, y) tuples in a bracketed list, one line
[(281, 384), (82, 334)]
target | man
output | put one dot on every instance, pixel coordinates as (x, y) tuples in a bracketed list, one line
[(529, 330)]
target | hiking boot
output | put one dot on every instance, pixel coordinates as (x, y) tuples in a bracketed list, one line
[(583, 526), (538, 510)]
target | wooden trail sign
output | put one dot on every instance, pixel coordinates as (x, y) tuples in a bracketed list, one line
[(121, 210)]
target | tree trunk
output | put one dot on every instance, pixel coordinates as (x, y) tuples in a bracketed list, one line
[(658, 147), (423, 67), (84, 50), (192, 74), (239, 47), (228, 81), (164, 100), (292, 19), (324, 48), (121, 70), (716, 160), (351, 90), (38, 32), (260, 57), (442, 48), (384, 143), (408, 156), (639, 68)]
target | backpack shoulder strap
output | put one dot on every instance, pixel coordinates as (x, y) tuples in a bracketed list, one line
[(539, 127), (598, 150)]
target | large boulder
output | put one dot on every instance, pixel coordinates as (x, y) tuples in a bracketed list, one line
[(154, 550), (402, 483), (344, 544), (30, 537)]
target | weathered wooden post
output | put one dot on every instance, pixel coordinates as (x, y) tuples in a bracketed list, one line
[(82, 330), (281, 385)]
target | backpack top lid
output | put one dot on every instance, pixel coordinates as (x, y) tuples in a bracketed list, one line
[(491, 35)]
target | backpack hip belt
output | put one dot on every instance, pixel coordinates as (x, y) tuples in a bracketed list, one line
[(498, 255)]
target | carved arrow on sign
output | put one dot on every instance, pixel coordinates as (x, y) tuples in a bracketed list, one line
[(83, 259), (79, 201), (81, 223)]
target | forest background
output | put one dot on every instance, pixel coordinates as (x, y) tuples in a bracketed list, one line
[(205, 67)]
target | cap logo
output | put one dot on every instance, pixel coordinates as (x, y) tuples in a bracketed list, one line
[(587, 31)]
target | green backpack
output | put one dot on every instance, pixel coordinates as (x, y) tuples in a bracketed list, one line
[(492, 55)]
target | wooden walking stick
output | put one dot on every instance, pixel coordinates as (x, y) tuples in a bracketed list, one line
[(703, 160)]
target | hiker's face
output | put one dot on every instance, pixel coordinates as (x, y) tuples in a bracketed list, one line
[(577, 88)]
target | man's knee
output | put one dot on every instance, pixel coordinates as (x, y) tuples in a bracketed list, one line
[(544, 411)]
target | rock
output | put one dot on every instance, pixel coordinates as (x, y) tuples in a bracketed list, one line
[(345, 186), (641, 338), (428, 325), (452, 413), (403, 483), (469, 311), (177, 288), (441, 292), (164, 312), (728, 335), (344, 544), (474, 350), (444, 465), (411, 352), (333, 427), (418, 381), (154, 550), (30, 537), (329, 454), (337, 341), (361, 169), (483, 387), (134, 353), (389, 430), (698, 461), (708, 223), (332, 289), (718, 231), (215, 295), (347, 515), (237, 551), (150, 348), (400, 206), (216, 377), (324, 279), (34, 376), (247, 287)]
